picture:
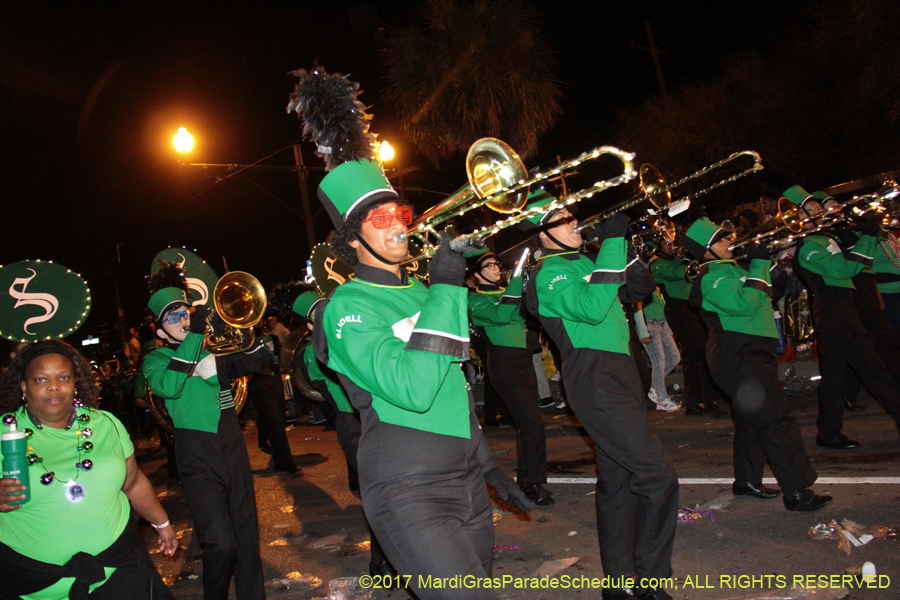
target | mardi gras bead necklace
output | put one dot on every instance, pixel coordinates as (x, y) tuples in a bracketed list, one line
[(73, 491), (891, 247)]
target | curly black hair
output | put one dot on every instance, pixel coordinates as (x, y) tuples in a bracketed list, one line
[(11, 382), (340, 238)]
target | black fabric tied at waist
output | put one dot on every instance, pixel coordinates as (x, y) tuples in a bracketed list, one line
[(22, 575)]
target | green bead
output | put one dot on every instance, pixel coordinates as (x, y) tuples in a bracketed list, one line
[(29, 433), (87, 447), (33, 459), (84, 418)]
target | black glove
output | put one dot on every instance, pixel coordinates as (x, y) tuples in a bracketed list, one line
[(446, 266), (873, 225), (758, 251), (507, 489), (198, 318), (613, 227), (847, 237)]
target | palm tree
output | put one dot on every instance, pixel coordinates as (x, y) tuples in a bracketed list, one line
[(472, 69)]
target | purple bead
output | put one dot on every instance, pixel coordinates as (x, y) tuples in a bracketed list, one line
[(47, 478), (9, 420), (87, 464), (86, 432)]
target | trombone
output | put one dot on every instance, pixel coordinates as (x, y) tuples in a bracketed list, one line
[(498, 179), (654, 189)]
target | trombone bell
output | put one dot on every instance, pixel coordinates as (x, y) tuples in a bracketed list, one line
[(491, 166)]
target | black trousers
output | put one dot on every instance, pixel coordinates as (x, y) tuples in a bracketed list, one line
[(892, 311), (844, 343), (218, 484), (746, 368), (637, 489), (427, 502), (689, 329), (512, 374), (266, 392)]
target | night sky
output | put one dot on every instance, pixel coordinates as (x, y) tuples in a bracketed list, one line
[(92, 93)]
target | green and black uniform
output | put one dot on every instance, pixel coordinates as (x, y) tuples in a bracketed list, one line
[(266, 393), (828, 270), (688, 328), (212, 458), (397, 347), (737, 308), (576, 298), (511, 369)]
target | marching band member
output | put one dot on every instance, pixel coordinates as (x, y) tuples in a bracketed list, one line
[(576, 298), (301, 301), (397, 347), (737, 308), (670, 273), (887, 275), (844, 343), (212, 457), (511, 369)]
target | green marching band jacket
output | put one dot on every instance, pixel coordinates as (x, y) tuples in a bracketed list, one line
[(578, 298), (823, 256), (738, 300), (397, 346), (195, 384), (669, 274), (887, 267), (328, 378), (497, 311)]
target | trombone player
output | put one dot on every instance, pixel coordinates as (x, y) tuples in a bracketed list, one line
[(577, 299), (827, 264), (212, 457)]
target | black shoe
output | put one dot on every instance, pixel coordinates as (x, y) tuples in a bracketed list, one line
[(806, 501), (316, 418), (694, 411), (286, 468), (854, 406), (714, 411), (547, 402), (491, 423), (841, 442), (537, 494), (651, 593), (617, 594), (386, 575), (756, 490)]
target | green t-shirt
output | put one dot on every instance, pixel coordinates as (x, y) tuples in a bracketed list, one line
[(654, 309), (49, 527), (887, 261)]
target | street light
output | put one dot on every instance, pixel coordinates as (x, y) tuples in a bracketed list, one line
[(385, 151), (184, 142)]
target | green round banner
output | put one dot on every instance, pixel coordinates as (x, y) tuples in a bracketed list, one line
[(40, 300), (200, 277)]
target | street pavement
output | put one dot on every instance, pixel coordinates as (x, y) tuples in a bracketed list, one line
[(312, 529)]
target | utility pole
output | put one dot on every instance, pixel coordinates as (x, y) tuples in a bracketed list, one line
[(654, 52), (304, 194)]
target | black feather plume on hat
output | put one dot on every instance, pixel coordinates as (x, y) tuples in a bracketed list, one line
[(170, 274), (332, 116), (283, 295)]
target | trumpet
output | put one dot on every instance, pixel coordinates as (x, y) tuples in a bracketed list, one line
[(659, 194), (240, 301), (503, 181)]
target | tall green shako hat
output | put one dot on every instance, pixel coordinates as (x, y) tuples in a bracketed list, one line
[(337, 122), (168, 287), (702, 234), (798, 195)]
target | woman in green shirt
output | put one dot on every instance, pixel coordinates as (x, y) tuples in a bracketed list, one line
[(83, 473)]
